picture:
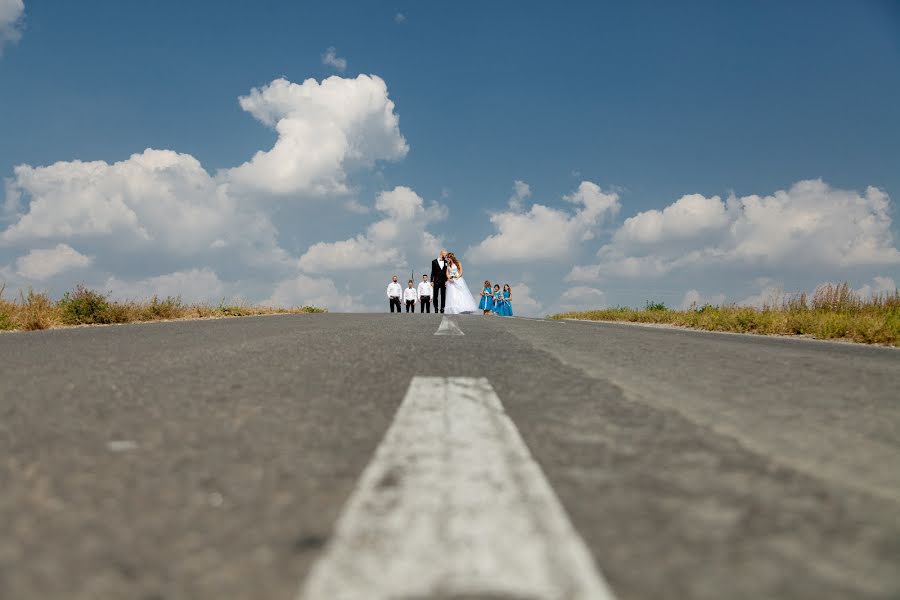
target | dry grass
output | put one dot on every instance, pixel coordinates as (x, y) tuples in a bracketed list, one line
[(83, 306), (833, 312)]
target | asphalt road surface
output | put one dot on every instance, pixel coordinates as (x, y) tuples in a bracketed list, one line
[(320, 455)]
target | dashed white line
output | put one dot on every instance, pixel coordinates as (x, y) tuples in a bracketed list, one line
[(453, 505), (448, 327)]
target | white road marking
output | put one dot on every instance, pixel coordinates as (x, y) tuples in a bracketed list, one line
[(121, 445), (448, 327), (453, 505)]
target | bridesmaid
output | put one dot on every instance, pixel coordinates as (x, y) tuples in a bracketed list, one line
[(498, 299), (487, 298), (506, 308)]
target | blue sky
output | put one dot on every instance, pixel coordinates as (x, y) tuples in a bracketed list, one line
[(648, 102)]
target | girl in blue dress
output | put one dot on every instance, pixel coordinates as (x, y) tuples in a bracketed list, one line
[(487, 298), (506, 302), (498, 298)]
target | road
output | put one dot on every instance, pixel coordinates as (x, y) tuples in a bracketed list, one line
[(237, 458)]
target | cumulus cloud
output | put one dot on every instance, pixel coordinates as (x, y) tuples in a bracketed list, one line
[(158, 222), (808, 225), (581, 297), (686, 218), (157, 204), (394, 240), (399, 18), (770, 295), (521, 191), (523, 301), (325, 131), (12, 13), (44, 263), (879, 286), (194, 285), (694, 299), (545, 233), (304, 290), (331, 59)]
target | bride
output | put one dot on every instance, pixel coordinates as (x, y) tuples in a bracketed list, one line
[(459, 298)]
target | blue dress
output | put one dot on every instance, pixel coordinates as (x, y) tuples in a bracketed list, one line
[(487, 300), (498, 301), (505, 306)]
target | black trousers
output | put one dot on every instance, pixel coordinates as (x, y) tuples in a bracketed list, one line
[(440, 297), (410, 306), (424, 304), (395, 302)]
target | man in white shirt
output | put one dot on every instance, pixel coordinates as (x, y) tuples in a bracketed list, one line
[(409, 296), (394, 291), (424, 295)]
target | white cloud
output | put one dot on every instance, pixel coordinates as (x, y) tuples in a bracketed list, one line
[(399, 18), (12, 13), (544, 233), (694, 299), (331, 59), (809, 225), (156, 204), (521, 191), (304, 290), (581, 298), (880, 285), (353, 205), (325, 131), (194, 285), (42, 264), (770, 295), (395, 240), (688, 217), (523, 301), (160, 211), (143, 197)]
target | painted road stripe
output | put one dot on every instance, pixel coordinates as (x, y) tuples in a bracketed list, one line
[(448, 327), (453, 506)]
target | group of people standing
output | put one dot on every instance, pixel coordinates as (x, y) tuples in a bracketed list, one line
[(495, 301), (448, 292)]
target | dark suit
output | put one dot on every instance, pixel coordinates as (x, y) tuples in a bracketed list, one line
[(439, 280)]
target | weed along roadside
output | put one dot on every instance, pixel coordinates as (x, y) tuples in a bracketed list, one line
[(833, 312), (33, 311)]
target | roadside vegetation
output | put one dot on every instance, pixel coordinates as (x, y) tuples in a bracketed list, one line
[(832, 312), (82, 306)]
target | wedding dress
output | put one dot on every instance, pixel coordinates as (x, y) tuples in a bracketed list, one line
[(459, 298)]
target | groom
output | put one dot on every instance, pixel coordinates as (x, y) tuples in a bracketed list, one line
[(439, 280)]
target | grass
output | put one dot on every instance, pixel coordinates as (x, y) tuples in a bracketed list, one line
[(83, 306), (832, 312)]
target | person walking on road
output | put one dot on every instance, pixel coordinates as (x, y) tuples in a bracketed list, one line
[(424, 295), (394, 291), (439, 281), (409, 296)]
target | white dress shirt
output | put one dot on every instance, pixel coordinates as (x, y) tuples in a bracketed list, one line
[(394, 290), (424, 289), (409, 294)]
